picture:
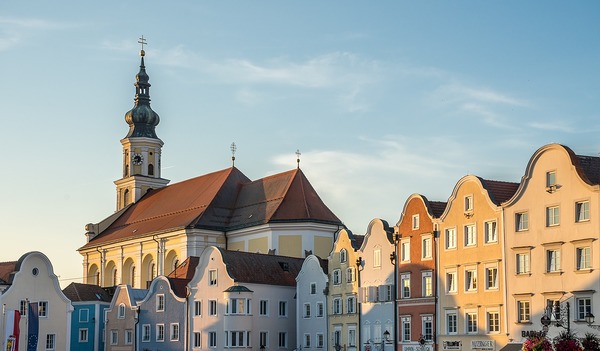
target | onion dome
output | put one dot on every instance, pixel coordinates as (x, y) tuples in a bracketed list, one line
[(141, 118)]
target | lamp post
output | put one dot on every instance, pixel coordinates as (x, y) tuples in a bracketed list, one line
[(561, 315)]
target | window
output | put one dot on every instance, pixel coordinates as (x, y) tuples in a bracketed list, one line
[(83, 335), (237, 338), (523, 263), (351, 337), (469, 203), (351, 305), (307, 310), (212, 307), (405, 285), (212, 339), (415, 222), (114, 337), (452, 322), (350, 276), (522, 221), (523, 311), (451, 282), (160, 332), (385, 292), (405, 251), (197, 339), (320, 340), (582, 211), (84, 315), (238, 306), (405, 320), (426, 248), (551, 178), (491, 232), (427, 327), (337, 337), (121, 311), (471, 322), (491, 278), (313, 288), (427, 284), (377, 258), (174, 332), (337, 277), (471, 280), (337, 305), (584, 260), (43, 309), (282, 339), (160, 302), (282, 308), (320, 309), (146, 333), (263, 339), (450, 238), (128, 337), (552, 216), (470, 235), (197, 308), (263, 308), (343, 256), (50, 341), (493, 322), (584, 306), (553, 260), (307, 341), (212, 277)]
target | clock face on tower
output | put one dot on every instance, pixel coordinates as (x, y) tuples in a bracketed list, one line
[(137, 159)]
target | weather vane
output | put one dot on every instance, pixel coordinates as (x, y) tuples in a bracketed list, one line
[(298, 157), (143, 42), (233, 148)]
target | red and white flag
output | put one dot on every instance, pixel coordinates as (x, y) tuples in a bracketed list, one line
[(12, 330)]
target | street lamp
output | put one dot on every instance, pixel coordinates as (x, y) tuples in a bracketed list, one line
[(386, 336), (561, 315)]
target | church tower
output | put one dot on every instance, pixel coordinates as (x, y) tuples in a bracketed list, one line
[(141, 146)]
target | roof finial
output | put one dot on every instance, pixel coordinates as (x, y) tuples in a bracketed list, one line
[(233, 148), (143, 42), (298, 157)]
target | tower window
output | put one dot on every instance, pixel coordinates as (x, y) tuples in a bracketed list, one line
[(126, 197), (150, 169)]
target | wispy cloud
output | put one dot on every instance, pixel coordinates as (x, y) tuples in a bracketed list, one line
[(557, 126), (14, 31)]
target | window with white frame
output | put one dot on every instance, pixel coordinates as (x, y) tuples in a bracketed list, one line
[(350, 275), (550, 178), (160, 302), (337, 277), (523, 311), (468, 203), (452, 322), (43, 309), (451, 282), (450, 238), (263, 307), (582, 211), (307, 310), (83, 334), (493, 322), (553, 260), (212, 307), (384, 292), (121, 311), (263, 341), (377, 257), (405, 320), (237, 338), (552, 216), (212, 339), (343, 256), (426, 248), (584, 257), (415, 222), (470, 235), (282, 340), (351, 336), (337, 337), (23, 306), (405, 250), (50, 342), (405, 285), (128, 336), (320, 340), (197, 308), (160, 332), (427, 283), (174, 332), (114, 337), (239, 306), (351, 305), (522, 263), (307, 341), (491, 232), (471, 322), (471, 279), (320, 309), (337, 305), (491, 278), (146, 333), (584, 307), (283, 309), (427, 327), (522, 221), (197, 339), (212, 277), (313, 288), (84, 315)]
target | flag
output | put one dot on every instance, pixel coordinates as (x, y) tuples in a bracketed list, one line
[(33, 326), (12, 330)]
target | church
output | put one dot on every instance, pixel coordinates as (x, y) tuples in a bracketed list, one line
[(156, 225)]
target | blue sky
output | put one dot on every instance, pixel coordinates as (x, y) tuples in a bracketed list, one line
[(383, 99)]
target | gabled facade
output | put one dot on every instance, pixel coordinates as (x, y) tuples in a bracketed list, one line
[(552, 229), (472, 299), (376, 280), (311, 304), (87, 320), (416, 256), (241, 299), (342, 300), (122, 319), (32, 281)]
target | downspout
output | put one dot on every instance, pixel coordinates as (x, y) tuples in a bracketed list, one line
[(359, 331), (157, 256), (101, 277), (396, 237), (135, 328), (188, 318)]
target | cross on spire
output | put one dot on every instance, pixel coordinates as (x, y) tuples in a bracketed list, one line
[(233, 148), (298, 157), (142, 41)]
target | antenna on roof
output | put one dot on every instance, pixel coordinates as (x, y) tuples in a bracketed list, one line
[(298, 157), (233, 148)]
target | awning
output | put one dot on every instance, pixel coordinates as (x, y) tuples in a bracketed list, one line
[(512, 347)]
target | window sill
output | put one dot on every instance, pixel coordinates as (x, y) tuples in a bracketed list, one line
[(554, 273), (584, 271), (524, 323), (528, 274)]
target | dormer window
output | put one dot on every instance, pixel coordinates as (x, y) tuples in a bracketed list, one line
[(468, 204), (343, 256), (415, 222), (551, 181)]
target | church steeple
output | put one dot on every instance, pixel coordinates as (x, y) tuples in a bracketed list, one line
[(141, 146)]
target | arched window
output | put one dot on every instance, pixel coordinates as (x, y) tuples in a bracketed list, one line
[(343, 256), (114, 277), (152, 273), (133, 276), (121, 311), (98, 278), (126, 197), (150, 169)]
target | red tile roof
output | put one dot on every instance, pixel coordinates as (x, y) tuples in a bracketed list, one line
[(223, 200), (6, 268), (182, 275), (499, 191)]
